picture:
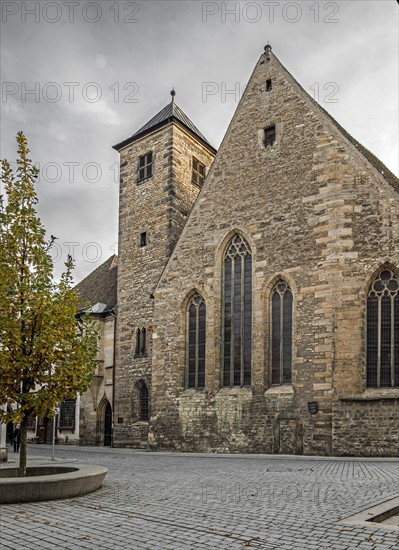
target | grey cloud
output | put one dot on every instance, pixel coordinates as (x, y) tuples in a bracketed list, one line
[(171, 45)]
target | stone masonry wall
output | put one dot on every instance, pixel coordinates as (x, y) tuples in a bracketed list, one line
[(366, 426), (314, 212), (183, 191)]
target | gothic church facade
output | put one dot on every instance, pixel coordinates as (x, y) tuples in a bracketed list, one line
[(257, 287)]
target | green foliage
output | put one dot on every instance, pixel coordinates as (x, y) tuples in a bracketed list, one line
[(46, 355)]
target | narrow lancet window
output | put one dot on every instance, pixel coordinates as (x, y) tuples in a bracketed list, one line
[(196, 339), (144, 402), (137, 349), (141, 342), (281, 334), (237, 313)]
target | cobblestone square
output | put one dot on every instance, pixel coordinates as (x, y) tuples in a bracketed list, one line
[(175, 501)]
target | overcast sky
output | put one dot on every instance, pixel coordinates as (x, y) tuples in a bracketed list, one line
[(100, 70)]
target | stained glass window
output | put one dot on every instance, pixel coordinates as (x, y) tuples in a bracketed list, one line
[(281, 333), (195, 354), (237, 313), (383, 332)]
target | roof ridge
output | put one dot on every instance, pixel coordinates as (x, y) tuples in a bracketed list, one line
[(164, 116), (385, 172)]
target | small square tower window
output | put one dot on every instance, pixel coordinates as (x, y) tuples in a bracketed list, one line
[(198, 173), (145, 167), (143, 239), (269, 85), (269, 138)]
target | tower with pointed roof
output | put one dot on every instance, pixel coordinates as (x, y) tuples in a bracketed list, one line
[(162, 168)]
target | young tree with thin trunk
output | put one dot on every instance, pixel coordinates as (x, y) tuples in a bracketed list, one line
[(46, 354)]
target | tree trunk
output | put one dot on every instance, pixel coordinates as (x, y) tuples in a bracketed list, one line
[(23, 447)]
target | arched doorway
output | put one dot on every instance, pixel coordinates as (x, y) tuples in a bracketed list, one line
[(140, 414), (108, 425), (45, 430)]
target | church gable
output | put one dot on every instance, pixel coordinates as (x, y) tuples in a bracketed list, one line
[(283, 151), (293, 220)]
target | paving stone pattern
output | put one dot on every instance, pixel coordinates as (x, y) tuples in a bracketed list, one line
[(171, 501)]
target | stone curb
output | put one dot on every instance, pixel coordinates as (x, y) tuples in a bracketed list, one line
[(124, 450)]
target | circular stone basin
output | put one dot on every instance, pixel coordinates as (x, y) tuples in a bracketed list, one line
[(49, 482)]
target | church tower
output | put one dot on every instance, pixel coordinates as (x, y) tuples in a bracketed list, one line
[(162, 168)]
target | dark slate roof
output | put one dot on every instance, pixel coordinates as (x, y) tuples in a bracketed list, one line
[(375, 161), (170, 113), (100, 285)]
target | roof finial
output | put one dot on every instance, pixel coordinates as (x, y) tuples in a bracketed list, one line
[(173, 93), (268, 48)]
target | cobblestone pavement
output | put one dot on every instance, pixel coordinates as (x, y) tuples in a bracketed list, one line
[(180, 501)]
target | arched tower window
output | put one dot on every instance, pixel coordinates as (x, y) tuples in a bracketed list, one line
[(237, 313), (137, 350), (281, 334), (195, 353), (144, 402), (143, 341), (382, 362)]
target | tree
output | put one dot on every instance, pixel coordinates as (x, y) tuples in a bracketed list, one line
[(47, 353)]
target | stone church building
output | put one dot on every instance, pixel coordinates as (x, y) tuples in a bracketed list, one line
[(256, 305)]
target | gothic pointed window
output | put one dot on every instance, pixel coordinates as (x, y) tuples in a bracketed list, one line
[(382, 362), (237, 313), (281, 334), (195, 354)]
